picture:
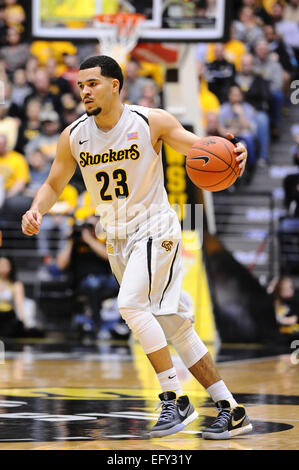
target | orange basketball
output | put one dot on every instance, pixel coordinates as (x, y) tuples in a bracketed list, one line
[(211, 163)]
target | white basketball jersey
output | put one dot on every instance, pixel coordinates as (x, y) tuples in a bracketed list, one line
[(121, 170)]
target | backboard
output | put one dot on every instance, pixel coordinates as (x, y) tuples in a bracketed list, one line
[(166, 20)]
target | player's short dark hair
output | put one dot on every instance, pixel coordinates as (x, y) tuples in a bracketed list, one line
[(109, 67)]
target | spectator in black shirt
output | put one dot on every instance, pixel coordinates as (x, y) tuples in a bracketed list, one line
[(31, 125), (86, 258), (284, 54), (3, 26), (256, 92), (220, 74), (259, 11), (58, 85), (41, 85)]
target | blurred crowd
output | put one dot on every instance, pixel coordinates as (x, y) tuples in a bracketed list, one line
[(244, 88)]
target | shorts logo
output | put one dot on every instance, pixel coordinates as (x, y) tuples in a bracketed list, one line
[(167, 245), (110, 248)]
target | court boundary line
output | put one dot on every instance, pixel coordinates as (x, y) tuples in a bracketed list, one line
[(252, 360)]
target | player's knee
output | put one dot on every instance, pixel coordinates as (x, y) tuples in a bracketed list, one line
[(137, 321), (146, 329), (181, 334), (189, 345)]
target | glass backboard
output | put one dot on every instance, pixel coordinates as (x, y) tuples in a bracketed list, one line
[(166, 20)]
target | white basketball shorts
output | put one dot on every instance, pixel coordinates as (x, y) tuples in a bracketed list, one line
[(148, 267)]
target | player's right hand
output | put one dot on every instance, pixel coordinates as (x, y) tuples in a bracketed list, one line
[(31, 222)]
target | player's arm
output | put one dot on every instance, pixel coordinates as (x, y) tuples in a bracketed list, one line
[(165, 127), (62, 170)]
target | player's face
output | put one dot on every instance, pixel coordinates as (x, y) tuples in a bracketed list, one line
[(96, 91)]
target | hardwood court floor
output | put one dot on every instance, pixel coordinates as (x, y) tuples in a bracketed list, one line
[(103, 396)]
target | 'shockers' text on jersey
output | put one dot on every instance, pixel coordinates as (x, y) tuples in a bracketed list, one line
[(110, 156)]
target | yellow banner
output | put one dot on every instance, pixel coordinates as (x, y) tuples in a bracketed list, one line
[(71, 10), (195, 283), (59, 10)]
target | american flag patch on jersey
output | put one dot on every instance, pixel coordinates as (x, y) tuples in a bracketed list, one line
[(132, 135)]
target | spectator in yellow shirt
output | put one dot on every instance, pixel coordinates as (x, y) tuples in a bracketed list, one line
[(207, 101), (14, 176), (13, 169), (233, 50)]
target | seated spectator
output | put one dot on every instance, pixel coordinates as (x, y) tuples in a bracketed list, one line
[(287, 29), (41, 86), (58, 84), (233, 50), (295, 148), (150, 95), (133, 82), (48, 137), (257, 93), (70, 74), (31, 67), (56, 222), (39, 169), (30, 127), (43, 50), (220, 74), (15, 175), (12, 302), (207, 101), (247, 29), (86, 258), (238, 118), (3, 71), (277, 45), (291, 11), (20, 90), (71, 109), (3, 26), (16, 52), (13, 168), (291, 182), (14, 14), (270, 69), (212, 126), (291, 194), (9, 125), (286, 304), (261, 15), (285, 55)]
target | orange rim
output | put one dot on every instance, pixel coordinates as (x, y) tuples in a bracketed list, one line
[(120, 18)]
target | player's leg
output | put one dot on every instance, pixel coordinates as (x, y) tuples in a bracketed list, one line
[(135, 309), (232, 418), (139, 282)]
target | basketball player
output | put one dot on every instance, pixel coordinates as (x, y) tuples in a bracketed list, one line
[(118, 147)]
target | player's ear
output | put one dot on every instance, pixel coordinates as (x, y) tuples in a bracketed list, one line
[(115, 85)]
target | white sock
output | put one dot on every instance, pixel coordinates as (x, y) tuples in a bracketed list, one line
[(219, 391), (169, 381)]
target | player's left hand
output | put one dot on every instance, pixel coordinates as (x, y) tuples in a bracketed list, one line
[(241, 151)]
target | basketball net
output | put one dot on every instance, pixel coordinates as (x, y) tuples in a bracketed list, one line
[(118, 34)]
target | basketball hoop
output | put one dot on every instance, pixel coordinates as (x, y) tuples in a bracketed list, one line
[(118, 33)]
